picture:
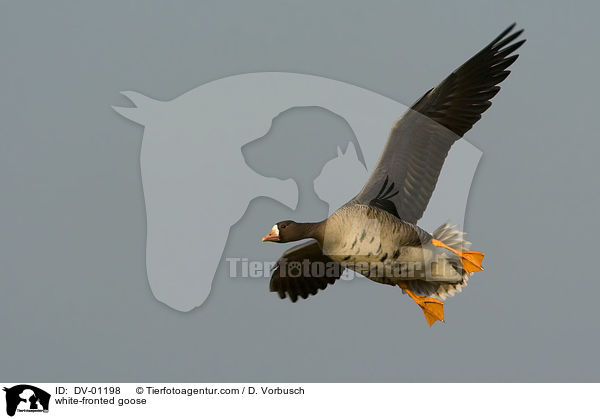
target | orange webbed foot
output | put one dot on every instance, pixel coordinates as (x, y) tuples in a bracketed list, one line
[(470, 259), (432, 309)]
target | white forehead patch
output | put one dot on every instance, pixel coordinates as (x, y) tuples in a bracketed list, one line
[(275, 230)]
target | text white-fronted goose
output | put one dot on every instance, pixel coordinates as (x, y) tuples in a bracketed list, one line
[(375, 233)]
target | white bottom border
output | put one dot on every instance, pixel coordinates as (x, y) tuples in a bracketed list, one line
[(293, 400)]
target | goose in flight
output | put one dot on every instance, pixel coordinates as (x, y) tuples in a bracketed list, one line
[(376, 232)]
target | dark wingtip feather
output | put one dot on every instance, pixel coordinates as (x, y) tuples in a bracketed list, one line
[(503, 34), (293, 287), (453, 103)]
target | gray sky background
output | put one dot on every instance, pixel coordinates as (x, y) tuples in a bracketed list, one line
[(74, 298)]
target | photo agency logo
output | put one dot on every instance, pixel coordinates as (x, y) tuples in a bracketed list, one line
[(207, 155), (27, 399)]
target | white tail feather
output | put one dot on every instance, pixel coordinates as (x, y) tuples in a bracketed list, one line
[(451, 236)]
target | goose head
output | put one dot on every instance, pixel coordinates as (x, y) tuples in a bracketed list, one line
[(290, 231)]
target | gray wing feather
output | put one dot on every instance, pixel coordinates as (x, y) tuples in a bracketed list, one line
[(420, 140)]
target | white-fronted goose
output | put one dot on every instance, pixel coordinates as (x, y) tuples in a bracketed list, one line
[(375, 233)]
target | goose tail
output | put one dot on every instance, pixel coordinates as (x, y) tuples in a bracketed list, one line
[(454, 239), (451, 238)]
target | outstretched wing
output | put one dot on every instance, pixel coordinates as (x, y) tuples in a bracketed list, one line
[(297, 272), (407, 171)]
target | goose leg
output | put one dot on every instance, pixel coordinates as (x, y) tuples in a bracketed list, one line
[(432, 309)]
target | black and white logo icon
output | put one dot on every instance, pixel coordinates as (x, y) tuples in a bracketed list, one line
[(26, 398)]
